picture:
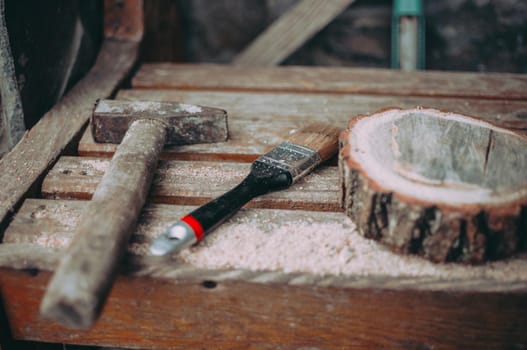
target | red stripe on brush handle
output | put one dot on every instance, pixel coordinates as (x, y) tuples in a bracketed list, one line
[(195, 226)]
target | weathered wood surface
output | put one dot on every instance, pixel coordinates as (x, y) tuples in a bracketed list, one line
[(331, 80), (329, 106), (42, 145), (441, 185), (289, 32), (44, 227), (239, 315), (258, 121), (194, 183)]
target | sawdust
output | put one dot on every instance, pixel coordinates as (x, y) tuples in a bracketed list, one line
[(63, 214), (220, 174), (325, 249), (96, 166), (53, 241), (190, 108), (281, 241)]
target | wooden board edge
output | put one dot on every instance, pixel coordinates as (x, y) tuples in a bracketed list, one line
[(303, 79), (158, 314), (34, 259)]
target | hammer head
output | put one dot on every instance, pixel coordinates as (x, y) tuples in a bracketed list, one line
[(186, 124)]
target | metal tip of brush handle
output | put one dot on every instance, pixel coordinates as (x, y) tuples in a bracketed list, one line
[(176, 238)]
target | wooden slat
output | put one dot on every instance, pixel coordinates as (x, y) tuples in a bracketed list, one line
[(42, 225), (290, 31), (183, 182), (41, 146), (332, 80), (51, 223), (156, 314), (276, 108), (257, 121)]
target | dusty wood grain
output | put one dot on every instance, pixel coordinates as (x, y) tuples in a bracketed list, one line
[(289, 32), (41, 146), (441, 185), (257, 121), (189, 182), (30, 256), (239, 315), (332, 80), (86, 272), (43, 227)]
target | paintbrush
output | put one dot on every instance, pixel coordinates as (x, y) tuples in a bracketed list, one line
[(276, 170)]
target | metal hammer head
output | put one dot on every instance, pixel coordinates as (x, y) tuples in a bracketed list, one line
[(186, 124)]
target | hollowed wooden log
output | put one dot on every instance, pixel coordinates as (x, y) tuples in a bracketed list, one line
[(441, 185)]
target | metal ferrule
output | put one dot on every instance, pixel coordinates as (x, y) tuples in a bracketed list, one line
[(298, 160), (176, 238)]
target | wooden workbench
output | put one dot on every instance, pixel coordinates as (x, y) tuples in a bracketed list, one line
[(184, 306)]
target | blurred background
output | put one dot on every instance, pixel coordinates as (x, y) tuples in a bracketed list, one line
[(55, 42)]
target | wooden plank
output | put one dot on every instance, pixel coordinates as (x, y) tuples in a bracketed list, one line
[(416, 306), (362, 81), (41, 146), (184, 182), (280, 107), (257, 121), (43, 227), (157, 314), (290, 31)]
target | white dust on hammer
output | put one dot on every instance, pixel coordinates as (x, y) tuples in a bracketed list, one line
[(190, 108), (146, 106)]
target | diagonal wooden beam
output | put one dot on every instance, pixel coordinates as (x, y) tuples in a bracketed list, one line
[(290, 31), (42, 145)]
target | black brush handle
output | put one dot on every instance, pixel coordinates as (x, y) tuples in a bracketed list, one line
[(262, 179), (191, 228)]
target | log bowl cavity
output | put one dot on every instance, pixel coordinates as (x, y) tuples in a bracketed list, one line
[(448, 187)]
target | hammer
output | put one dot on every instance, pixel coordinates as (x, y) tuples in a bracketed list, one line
[(83, 279)]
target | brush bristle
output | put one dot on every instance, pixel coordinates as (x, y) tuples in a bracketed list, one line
[(320, 137)]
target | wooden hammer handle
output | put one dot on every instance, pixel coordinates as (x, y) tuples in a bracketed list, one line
[(85, 274)]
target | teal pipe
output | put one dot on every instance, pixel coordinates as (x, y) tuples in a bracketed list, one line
[(408, 35)]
